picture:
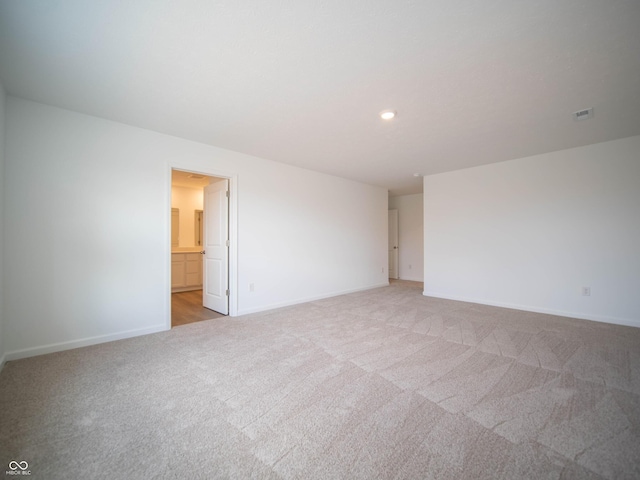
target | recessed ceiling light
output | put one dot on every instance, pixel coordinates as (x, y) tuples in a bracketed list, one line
[(418, 174), (387, 114)]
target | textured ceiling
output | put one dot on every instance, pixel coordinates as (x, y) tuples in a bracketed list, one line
[(302, 82)]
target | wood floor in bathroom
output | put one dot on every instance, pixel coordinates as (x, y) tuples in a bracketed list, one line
[(186, 307)]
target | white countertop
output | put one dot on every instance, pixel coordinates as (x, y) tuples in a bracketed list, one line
[(186, 249)]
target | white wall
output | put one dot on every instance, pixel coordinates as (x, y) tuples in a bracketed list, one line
[(2, 144), (88, 247), (187, 201), (410, 235), (529, 233)]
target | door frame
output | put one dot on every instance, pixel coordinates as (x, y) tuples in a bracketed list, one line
[(233, 232), (394, 251)]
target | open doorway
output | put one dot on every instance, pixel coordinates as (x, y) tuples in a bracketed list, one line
[(199, 247), (393, 244)]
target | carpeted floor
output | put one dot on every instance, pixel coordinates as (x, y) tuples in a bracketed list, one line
[(382, 384)]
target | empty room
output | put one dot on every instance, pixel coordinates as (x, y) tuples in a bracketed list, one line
[(409, 232)]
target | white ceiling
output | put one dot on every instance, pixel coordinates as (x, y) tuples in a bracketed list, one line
[(302, 81), (180, 178)]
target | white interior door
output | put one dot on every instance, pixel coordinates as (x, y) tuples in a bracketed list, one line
[(215, 288), (393, 244)]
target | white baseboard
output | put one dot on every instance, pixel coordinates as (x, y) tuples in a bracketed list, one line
[(84, 342), (412, 279), (527, 308), (308, 299)]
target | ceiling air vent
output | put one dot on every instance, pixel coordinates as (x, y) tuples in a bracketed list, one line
[(585, 114)]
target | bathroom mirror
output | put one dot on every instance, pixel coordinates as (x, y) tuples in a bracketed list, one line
[(175, 227), (198, 238)]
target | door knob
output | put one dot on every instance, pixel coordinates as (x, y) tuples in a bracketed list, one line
[(202, 252)]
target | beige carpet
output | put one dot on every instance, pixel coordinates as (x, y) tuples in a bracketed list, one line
[(379, 384)]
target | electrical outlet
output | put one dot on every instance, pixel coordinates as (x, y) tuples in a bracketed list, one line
[(409, 266), (251, 287), (586, 291), (382, 269)]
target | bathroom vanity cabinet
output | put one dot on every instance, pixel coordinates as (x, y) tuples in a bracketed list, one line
[(186, 271)]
